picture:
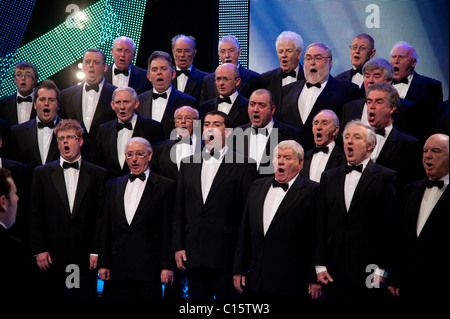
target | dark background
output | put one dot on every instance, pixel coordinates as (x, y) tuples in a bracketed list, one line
[(163, 19)]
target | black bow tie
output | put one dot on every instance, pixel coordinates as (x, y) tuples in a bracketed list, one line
[(317, 149), (380, 131), (262, 131), (124, 125), (207, 154), (404, 80), (286, 74), (185, 72), (354, 71), (124, 72), (92, 87), (132, 177), (431, 183), (349, 168), (157, 95), (224, 99), (24, 99), (67, 165), (308, 85), (184, 140), (43, 124), (284, 186)]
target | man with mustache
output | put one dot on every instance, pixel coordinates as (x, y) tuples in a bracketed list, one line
[(122, 72), (424, 91), (302, 100), (289, 47), (355, 221), (229, 52)]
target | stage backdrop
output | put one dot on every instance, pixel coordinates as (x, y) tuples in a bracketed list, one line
[(423, 24)]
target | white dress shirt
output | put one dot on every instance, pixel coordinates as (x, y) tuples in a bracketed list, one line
[(44, 136), (257, 143), (380, 143), (429, 199), (133, 194), (274, 197), (289, 79), (210, 167), (89, 104), (307, 98), (364, 118), (159, 105), (358, 79), (183, 150), (318, 162), (120, 79), (225, 107), (71, 180), (182, 79), (403, 88), (24, 109), (351, 181), (123, 136)]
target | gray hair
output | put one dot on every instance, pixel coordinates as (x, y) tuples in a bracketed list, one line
[(371, 137), (182, 36), (229, 38), (388, 69), (127, 39), (142, 140), (411, 50), (333, 115), (291, 144), (290, 36), (125, 88)]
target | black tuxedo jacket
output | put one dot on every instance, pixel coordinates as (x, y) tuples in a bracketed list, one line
[(8, 109), (25, 147), (350, 240), (208, 231), (238, 113), (249, 83), (285, 132), (405, 119), (281, 260), (68, 237), (273, 82), (420, 254), (427, 94), (140, 250), (334, 95), (138, 78), (347, 76), (176, 99), (440, 119), (337, 158), (194, 83), (71, 108), (161, 162), (106, 151), (403, 154)]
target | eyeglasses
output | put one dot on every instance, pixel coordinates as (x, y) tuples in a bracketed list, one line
[(139, 154), (361, 48), (317, 58), (219, 79), (69, 138), (19, 76), (187, 118)]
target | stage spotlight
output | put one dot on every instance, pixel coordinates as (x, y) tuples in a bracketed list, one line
[(80, 75)]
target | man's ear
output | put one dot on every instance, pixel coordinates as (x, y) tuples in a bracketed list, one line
[(3, 203)]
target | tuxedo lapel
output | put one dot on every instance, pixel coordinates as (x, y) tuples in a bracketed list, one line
[(435, 217), (222, 172), (32, 133), (77, 98), (261, 197), (82, 185), (146, 198), (366, 179), (57, 176)]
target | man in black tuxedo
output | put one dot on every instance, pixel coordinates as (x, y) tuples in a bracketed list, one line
[(355, 220), (326, 154), (275, 237), (362, 49), (412, 86), (114, 135), (134, 254), (211, 193), (167, 155), (381, 71), (394, 149), (424, 228), (89, 103), (289, 46), (302, 100), (260, 136), (230, 100), (33, 142), (122, 72), (18, 107), (161, 102), (188, 78), (65, 203), (14, 273), (229, 52)]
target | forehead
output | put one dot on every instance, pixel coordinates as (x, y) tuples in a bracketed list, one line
[(260, 98), (227, 45), (46, 92), (24, 69), (214, 118), (122, 44), (224, 69), (324, 116), (159, 62), (185, 111), (183, 43), (286, 44), (286, 152), (361, 42), (356, 130), (401, 50), (377, 94), (436, 142), (316, 50), (66, 132), (124, 94), (374, 71), (93, 56), (136, 146)]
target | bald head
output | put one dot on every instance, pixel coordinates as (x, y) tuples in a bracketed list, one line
[(435, 156)]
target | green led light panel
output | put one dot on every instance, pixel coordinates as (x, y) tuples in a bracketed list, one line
[(95, 27), (234, 17)]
